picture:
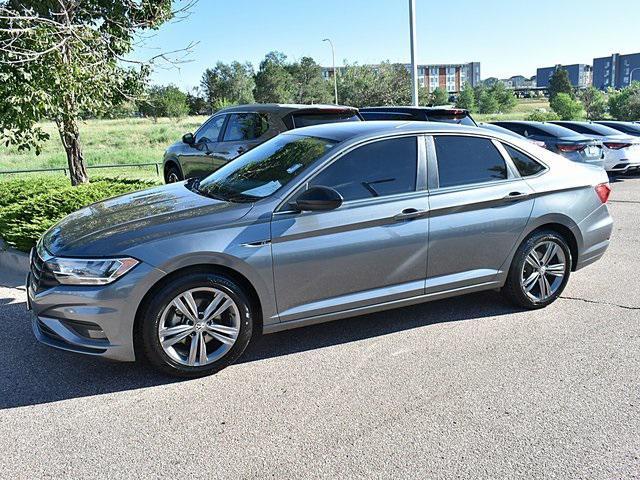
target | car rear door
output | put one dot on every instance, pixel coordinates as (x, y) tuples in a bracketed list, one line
[(479, 207), (372, 249)]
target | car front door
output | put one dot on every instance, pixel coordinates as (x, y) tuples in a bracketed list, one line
[(479, 208), (243, 132), (197, 160), (372, 249)]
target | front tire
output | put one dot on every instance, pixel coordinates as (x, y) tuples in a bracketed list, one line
[(172, 174), (539, 271), (196, 325)]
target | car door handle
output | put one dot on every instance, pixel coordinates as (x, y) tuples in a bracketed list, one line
[(515, 196), (241, 150), (409, 214)]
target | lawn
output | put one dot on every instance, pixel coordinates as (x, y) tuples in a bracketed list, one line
[(524, 107), (104, 142)]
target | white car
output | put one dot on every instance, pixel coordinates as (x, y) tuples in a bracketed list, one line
[(621, 151)]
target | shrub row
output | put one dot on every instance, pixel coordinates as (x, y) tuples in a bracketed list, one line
[(29, 207)]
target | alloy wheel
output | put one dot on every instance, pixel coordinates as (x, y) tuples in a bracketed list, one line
[(543, 270), (199, 326)]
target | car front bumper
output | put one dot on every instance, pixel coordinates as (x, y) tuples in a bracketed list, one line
[(93, 320)]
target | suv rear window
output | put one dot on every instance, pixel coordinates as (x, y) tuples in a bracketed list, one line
[(307, 119), (448, 117)]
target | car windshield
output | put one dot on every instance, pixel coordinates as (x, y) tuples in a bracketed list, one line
[(265, 169)]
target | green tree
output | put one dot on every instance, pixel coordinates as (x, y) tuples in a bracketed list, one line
[(64, 57), (197, 103), (594, 101), (393, 84), (559, 83), (467, 98), (233, 82), (274, 83), (357, 86), (309, 84), (541, 115), (164, 101), (487, 103), (504, 97), (625, 104), (439, 96), (566, 107)]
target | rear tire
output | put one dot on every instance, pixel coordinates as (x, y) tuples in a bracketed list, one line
[(196, 325), (539, 271), (172, 174)]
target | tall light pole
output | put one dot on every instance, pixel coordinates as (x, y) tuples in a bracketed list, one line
[(414, 67), (335, 72)]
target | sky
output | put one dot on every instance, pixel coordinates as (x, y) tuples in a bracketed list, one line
[(507, 37)]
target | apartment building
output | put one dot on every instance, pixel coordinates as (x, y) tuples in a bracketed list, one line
[(616, 71), (580, 75)]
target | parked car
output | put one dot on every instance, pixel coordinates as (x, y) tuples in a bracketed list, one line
[(621, 151), (423, 114), (316, 224), (232, 131), (561, 140), (499, 129), (630, 128)]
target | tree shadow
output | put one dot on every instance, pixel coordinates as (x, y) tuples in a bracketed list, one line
[(32, 373)]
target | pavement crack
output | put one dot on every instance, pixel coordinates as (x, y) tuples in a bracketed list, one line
[(624, 201), (598, 302)]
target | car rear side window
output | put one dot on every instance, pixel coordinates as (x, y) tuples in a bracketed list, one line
[(385, 167), (526, 165), (467, 160), (308, 119), (245, 126)]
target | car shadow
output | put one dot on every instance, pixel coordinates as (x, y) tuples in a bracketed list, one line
[(613, 178), (31, 373)]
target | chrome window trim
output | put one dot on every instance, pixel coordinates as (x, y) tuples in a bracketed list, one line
[(421, 162)]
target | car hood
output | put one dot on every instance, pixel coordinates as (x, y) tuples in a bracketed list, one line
[(112, 226)]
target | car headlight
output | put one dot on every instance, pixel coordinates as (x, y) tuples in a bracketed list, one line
[(82, 271)]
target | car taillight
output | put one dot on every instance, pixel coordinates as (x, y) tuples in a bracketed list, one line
[(572, 147), (603, 190), (616, 145)]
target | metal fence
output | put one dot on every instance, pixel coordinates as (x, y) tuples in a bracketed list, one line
[(66, 169)]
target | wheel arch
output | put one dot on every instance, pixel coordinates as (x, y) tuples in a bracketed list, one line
[(171, 162)]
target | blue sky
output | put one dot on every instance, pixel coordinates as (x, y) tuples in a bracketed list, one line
[(507, 37)]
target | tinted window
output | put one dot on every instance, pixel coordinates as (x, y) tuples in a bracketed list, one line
[(387, 116), (446, 117), (210, 131), (308, 119), (245, 126), (467, 160), (381, 168), (621, 127), (264, 169), (526, 165), (556, 130)]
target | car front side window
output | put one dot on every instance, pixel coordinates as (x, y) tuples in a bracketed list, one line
[(381, 168), (211, 131)]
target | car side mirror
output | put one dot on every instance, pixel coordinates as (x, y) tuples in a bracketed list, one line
[(189, 139), (318, 199)]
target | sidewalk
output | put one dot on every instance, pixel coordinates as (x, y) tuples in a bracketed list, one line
[(14, 266)]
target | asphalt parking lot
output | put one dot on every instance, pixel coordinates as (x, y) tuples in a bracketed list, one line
[(466, 387)]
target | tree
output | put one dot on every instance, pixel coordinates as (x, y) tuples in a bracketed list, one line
[(167, 101), (60, 58), (467, 99), (487, 103), (274, 83), (566, 107), (504, 98), (309, 84), (196, 102), (625, 104), (232, 82), (541, 115), (439, 96), (365, 85), (595, 103), (559, 83)]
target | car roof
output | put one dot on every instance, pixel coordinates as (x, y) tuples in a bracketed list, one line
[(285, 108), (413, 108), (348, 130)]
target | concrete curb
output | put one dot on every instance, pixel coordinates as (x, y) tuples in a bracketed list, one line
[(14, 266)]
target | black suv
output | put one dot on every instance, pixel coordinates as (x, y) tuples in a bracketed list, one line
[(232, 131), (423, 114)]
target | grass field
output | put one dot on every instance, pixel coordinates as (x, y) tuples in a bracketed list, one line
[(141, 140)]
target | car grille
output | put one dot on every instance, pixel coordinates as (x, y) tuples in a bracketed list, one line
[(41, 276)]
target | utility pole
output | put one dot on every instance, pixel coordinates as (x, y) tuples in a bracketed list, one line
[(335, 72), (414, 67)]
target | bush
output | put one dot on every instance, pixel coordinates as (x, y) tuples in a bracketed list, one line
[(566, 107), (541, 115), (29, 207), (625, 104)]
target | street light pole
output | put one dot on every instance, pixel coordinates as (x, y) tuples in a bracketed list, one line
[(335, 72), (414, 67)]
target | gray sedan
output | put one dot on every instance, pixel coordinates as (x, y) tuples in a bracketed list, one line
[(317, 224)]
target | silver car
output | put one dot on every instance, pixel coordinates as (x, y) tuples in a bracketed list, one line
[(317, 224)]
